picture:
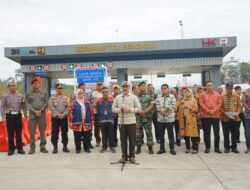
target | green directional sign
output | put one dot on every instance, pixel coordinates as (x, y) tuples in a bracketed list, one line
[(71, 66), (39, 67), (102, 64)]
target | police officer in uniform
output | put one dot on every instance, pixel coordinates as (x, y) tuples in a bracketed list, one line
[(59, 108), (36, 100), (144, 118), (11, 106)]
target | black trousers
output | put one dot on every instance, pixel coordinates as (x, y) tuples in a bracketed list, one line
[(128, 133), (82, 136), (206, 124), (58, 124), (115, 129), (14, 125), (242, 118), (228, 127), (194, 141), (170, 130), (97, 129), (107, 130), (176, 127), (156, 126)]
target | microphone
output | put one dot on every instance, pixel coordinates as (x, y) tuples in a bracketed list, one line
[(122, 109)]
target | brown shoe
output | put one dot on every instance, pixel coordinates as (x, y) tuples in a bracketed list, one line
[(97, 144), (122, 160), (132, 160)]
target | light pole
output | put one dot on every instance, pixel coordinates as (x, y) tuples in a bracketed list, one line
[(182, 32), (117, 35), (75, 78)]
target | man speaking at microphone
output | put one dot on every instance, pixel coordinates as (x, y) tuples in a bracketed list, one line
[(126, 105)]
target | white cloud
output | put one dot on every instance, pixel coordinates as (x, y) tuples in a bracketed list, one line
[(31, 22)]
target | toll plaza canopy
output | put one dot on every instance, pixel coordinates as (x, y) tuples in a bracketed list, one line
[(201, 55)]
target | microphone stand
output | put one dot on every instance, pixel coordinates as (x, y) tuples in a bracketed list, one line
[(122, 124)]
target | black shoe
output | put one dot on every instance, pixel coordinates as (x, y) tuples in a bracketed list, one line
[(172, 152), (178, 143), (158, 142), (194, 152), (78, 151), (226, 150), (20, 151), (207, 150), (91, 146), (112, 150), (115, 145), (11, 152), (55, 150), (65, 149), (238, 141), (32, 151), (103, 150), (150, 150), (138, 150), (187, 151), (161, 151), (236, 151), (43, 150), (87, 151), (218, 151)]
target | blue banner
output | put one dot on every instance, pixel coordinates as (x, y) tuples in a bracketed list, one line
[(90, 75)]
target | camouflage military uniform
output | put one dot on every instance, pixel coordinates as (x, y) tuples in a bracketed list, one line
[(144, 122), (37, 101)]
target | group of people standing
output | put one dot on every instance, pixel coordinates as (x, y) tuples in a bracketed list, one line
[(183, 113)]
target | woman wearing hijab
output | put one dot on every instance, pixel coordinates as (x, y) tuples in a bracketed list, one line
[(188, 121), (80, 121)]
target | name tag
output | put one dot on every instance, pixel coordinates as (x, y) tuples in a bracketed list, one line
[(14, 112)]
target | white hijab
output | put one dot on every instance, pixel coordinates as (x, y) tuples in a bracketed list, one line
[(81, 102)]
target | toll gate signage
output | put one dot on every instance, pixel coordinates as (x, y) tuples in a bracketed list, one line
[(90, 75)]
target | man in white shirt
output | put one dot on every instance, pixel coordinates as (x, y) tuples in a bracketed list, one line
[(165, 112), (126, 105)]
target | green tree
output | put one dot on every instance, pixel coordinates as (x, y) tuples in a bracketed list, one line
[(245, 71)]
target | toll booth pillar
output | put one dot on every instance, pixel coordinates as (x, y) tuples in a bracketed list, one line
[(213, 74), (122, 74)]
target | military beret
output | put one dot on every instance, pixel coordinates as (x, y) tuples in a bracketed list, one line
[(141, 83), (34, 80), (12, 82)]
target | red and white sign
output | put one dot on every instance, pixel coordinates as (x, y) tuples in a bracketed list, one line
[(64, 67), (46, 68), (32, 68), (208, 42), (95, 65), (223, 41), (78, 66)]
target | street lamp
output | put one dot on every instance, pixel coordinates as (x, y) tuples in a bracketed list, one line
[(75, 79), (182, 32)]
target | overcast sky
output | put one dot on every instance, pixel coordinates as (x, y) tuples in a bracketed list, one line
[(55, 22)]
